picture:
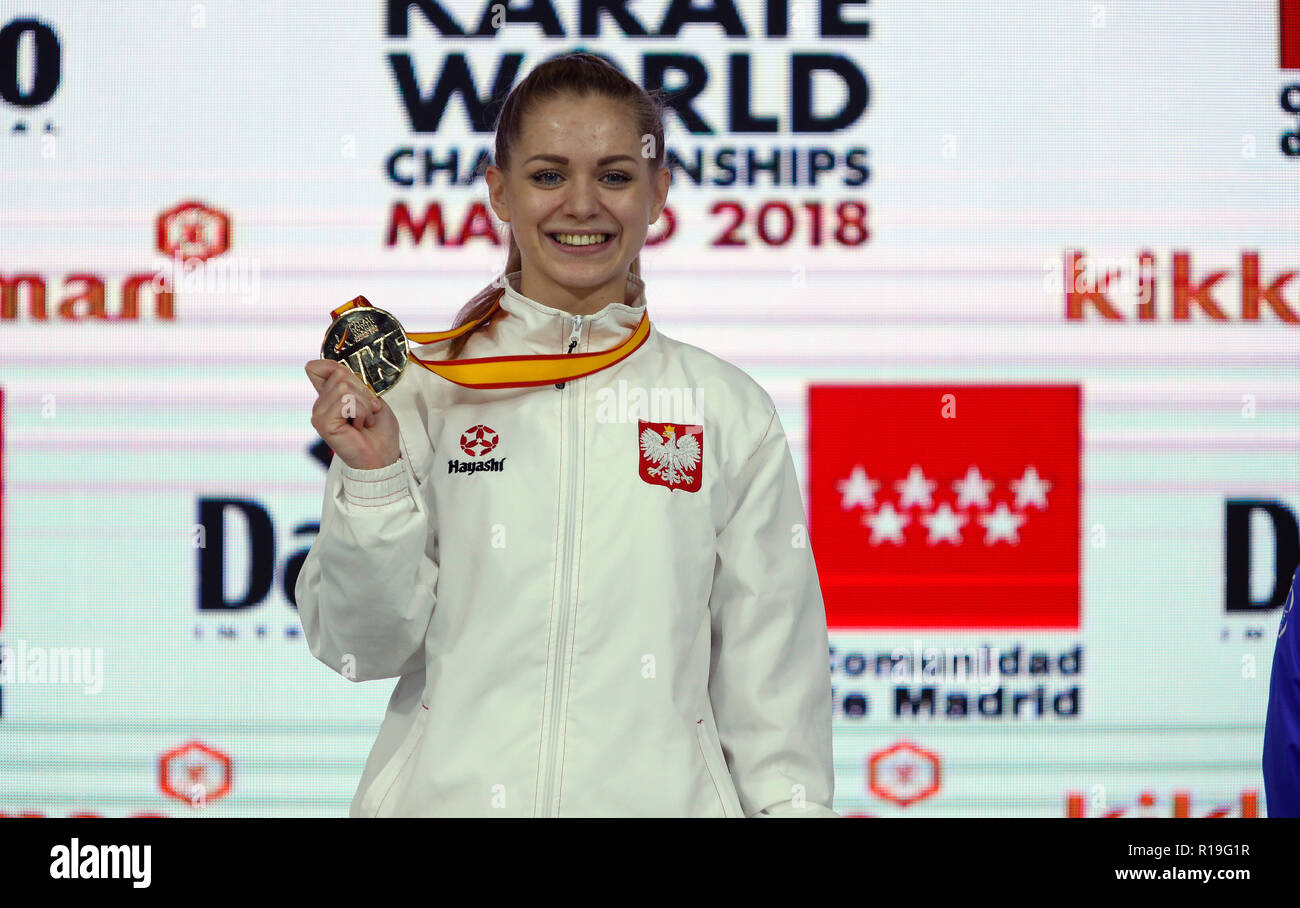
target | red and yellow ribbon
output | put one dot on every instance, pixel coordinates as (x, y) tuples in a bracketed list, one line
[(514, 371)]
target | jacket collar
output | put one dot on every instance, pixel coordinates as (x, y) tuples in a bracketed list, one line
[(534, 327)]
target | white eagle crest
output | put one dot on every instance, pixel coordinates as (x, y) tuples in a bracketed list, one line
[(673, 457)]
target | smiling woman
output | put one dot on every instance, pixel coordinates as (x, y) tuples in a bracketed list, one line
[(610, 616), (579, 177)]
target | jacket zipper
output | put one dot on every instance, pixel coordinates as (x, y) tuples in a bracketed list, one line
[(567, 568), (573, 342)]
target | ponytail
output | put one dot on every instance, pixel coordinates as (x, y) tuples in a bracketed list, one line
[(480, 302)]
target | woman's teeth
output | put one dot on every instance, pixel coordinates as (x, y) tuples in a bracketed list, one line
[(581, 239)]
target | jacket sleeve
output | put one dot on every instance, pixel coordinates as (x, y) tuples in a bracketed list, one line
[(769, 677), (1281, 757), (366, 590)]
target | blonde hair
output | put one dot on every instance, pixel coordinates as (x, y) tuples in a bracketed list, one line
[(580, 74)]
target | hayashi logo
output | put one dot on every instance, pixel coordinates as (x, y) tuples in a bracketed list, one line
[(190, 233), (477, 441), (1107, 288), (946, 506), (1148, 805), (671, 455)]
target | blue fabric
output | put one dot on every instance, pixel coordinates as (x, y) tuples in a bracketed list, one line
[(1282, 727)]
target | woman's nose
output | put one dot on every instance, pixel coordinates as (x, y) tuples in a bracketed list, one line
[(582, 197)]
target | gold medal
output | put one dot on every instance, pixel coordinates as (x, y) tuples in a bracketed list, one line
[(368, 341), (372, 344)]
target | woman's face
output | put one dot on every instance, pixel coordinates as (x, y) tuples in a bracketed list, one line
[(577, 168)]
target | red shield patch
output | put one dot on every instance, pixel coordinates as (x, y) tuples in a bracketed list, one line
[(670, 454)]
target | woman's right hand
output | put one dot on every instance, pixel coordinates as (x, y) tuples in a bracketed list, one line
[(353, 420)]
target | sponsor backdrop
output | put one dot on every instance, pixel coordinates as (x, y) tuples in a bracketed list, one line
[(1020, 277)]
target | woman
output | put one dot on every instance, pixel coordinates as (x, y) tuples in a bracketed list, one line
[(592, 610)]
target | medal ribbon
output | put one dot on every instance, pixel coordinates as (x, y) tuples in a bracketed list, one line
[(514, 371)]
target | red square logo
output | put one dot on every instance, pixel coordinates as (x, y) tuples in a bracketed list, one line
[(1288, 33), (946, 506)]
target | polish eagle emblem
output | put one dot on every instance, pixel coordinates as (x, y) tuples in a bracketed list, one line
[(672, 454)]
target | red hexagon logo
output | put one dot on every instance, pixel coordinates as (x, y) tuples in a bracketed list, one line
[(193, 764), (193, 230), (903, 773)]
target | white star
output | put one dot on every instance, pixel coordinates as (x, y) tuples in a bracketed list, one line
[(886, 523), (972, 489), (1002, 524), (944, 524), (1030, 489), (915, 489), (858, 489)]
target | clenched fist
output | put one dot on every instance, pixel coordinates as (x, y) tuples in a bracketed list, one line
[(352, 419)]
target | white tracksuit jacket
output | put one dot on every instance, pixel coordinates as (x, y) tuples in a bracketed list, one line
[(571, 638)]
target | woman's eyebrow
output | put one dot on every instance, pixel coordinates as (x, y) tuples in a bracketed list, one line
[(558, 159)]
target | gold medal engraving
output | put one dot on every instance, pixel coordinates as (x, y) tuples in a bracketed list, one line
[(370, 342)]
